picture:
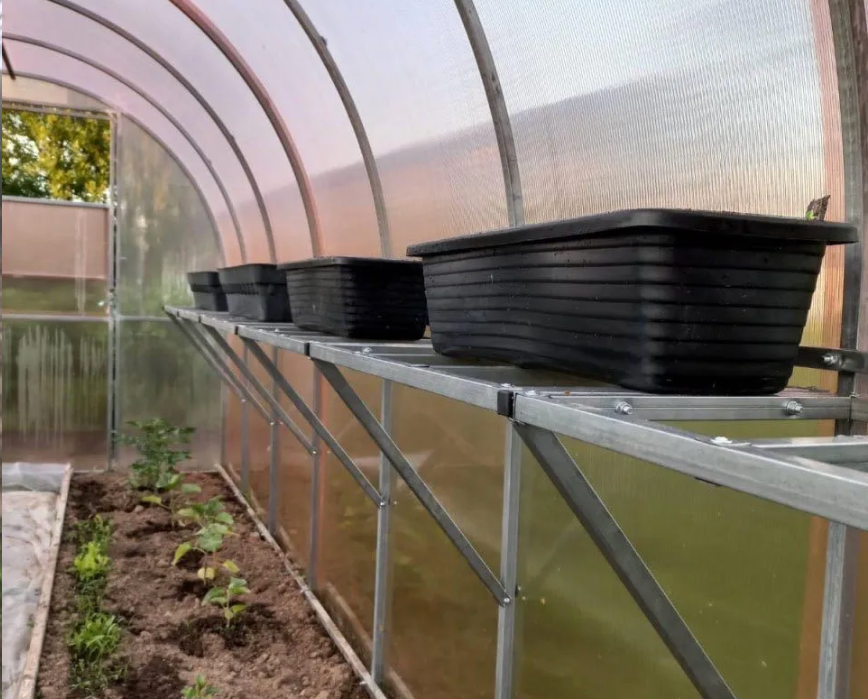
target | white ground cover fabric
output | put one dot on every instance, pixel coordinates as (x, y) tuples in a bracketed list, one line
[(30, 495)]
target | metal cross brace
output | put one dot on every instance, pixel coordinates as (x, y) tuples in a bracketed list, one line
[(314, 422), (280, 413), (605, 532), (420, 489)]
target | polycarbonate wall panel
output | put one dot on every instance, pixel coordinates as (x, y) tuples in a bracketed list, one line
[(30, 59), (859, 679), (69, 274), (160, 374), (743, 573), (27, 90), (271, 39), (348, 518), (165, 29), (163, 230), (443, 628), (259, 434), (417, 87), (54, 392)]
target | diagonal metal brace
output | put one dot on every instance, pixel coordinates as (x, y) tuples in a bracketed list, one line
[(280, 413), (215, 361), (605, 532), (314, 422), (413, 480)]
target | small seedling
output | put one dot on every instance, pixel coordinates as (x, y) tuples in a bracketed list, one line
[(97, 529), (208, 542), (225, 597), (172, 494), (92, 646), (203, 514), (91, 563), (199, 689), (157, 443)]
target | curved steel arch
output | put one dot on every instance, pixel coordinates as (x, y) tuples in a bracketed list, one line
[(355, 118), (204, 23), (175, 73), (48, 46), (183, 168), (499, 112)]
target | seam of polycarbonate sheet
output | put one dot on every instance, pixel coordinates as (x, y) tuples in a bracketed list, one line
[(355, 118), (497, 104), (45, 108), (157, 139), (112, 74), (227, 48), (150, 52)]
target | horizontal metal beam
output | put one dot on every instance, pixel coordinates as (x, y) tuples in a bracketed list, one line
[(314, 421), (849, 451), (617, 549), (56, 202), (830, 491), (420, 489), (843, 360)]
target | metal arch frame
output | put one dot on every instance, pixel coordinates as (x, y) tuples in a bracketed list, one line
[(227, 48), (183, 168), (499, 112), (370, 162), (175, 73), (48, 46)]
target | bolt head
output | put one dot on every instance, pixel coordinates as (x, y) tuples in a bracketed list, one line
[(721, 440), (367, 350), (506, 385), (793, 407), (531, 393), (829, 359), (624, 408)]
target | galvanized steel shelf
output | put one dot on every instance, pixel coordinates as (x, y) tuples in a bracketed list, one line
[(827, 477)]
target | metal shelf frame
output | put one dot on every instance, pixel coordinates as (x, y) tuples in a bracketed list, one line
[(826, 477)]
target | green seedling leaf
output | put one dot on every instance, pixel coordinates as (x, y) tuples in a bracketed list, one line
[(231, 566), (187, 513), (190, 489), (236, 609), (216, 595), (152, 499), (225, 518), (210, 542), (206, 573), (182, 551)]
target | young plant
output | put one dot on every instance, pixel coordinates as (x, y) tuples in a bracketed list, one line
[(172, 494), (96, 529), (92, 646), (91, 564), (208, 541), (203, 514), (226, 597), (158, 445), (200, 689)]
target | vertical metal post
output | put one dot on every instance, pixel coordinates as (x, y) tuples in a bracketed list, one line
[(245, 438), (506, 614), (317, 464), (836, 640), (382, 586), (273, 460), (112, 358)]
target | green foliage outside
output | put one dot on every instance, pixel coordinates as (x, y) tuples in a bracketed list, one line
[(51, 156)]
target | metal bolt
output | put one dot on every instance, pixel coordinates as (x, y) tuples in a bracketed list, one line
[(721, 440), (531, 392), (507, 601), (793, 407), (623, 408), (506, 385), (829, 359), (367, 350)]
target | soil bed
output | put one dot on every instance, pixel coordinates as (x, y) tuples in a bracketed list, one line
[(277, 648)]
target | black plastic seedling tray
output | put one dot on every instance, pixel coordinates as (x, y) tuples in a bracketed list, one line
[(257, 292), (655, 300), (358, 297), (207, 293)]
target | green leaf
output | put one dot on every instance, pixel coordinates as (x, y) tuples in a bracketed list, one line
[(216, 595), (187, 513), (231, 566), (152, 499), (237, 609), (225, 518), (210, 542), (190, 488), (206, 573), (182, 551)]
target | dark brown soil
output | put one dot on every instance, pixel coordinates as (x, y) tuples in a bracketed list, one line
[(277, 649)]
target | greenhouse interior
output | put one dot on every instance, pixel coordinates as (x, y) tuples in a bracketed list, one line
[(437, 349)]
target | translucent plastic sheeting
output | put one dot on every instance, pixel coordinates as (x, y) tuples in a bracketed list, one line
[(30, 500), (163, 230), (28, 91), (742, 572), (415, 81), (166, 30), (41, 62), (443, 624), (69, 274), (159, 373), (271, 39), (54, 391)]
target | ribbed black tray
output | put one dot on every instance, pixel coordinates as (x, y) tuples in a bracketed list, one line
[(207, 293), (257, 292), (358, 297), (656, 300)]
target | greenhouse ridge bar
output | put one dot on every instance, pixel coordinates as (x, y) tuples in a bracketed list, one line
[(827, 477)]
